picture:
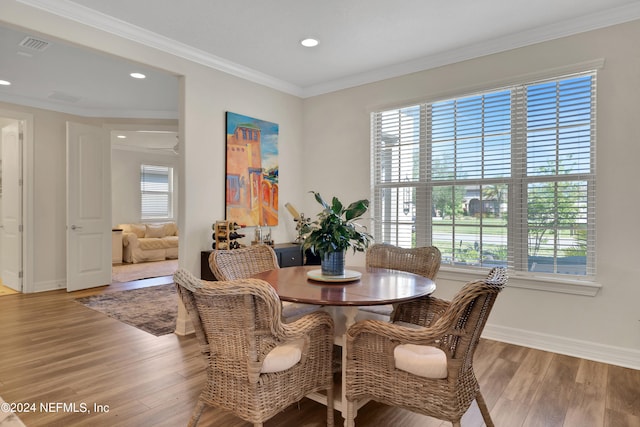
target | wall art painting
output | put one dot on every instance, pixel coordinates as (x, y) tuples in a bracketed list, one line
[(251, 171)]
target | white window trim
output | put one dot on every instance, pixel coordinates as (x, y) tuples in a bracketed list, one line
[(595, 64), (538, 282), (588, 287)]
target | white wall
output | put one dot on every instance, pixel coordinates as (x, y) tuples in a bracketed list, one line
[(125, 181), (607, 326)]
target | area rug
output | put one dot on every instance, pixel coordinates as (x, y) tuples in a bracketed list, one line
[(144, 270), (153, 309)]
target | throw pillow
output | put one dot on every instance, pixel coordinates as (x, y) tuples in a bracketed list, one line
[(170, 229), (154, 231), (137, 229)]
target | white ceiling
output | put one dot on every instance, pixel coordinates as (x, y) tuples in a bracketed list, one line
[(75, 80), (360, 41)]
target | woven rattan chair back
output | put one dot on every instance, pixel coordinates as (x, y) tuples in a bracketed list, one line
[(424, 261), (246, 262), (455, 328), (467, 315), (237, 323), (242, 263)]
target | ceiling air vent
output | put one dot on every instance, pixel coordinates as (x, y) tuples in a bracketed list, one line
[(61, 96), (34, 43)]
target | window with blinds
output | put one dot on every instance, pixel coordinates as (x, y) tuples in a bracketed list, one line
[(501, 178), (156, 190)]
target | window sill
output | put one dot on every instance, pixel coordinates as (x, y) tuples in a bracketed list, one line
[(540, 283)]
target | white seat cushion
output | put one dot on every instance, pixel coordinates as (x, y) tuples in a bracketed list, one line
[(294, 309), (383, 310), (283, 357), (422, 360)]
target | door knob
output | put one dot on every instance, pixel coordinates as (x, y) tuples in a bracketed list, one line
[(76, 227)]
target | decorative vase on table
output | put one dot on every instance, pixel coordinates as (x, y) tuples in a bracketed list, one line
[(335, 231), (332, 264)]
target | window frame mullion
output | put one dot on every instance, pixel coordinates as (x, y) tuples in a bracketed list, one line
[(517, 235), (531, 145), (424, 203)]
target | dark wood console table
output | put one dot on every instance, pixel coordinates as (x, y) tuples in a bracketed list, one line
[(289, 255)]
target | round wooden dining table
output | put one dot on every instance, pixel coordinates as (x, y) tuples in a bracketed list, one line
[(375, 286), (341, 297)]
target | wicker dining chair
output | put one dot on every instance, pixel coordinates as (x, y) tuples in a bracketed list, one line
[(243, 263), (256, 365), (424, 261), (428, 370)]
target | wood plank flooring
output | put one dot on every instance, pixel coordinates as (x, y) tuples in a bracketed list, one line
[(54, 351)]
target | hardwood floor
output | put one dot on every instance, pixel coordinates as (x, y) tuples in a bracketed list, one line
[(55, 351)]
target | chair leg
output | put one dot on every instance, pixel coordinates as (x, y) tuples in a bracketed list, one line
[(197, 411), (350, 421), (484, 410), (330, 405)]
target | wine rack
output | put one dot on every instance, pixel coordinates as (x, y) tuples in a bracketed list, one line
[(225, 235)]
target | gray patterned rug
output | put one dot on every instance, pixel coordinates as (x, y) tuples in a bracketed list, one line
[(153, 309)]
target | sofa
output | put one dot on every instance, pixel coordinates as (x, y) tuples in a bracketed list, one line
[(149, 242)]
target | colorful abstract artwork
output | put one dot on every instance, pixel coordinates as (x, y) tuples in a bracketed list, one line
[(251, 171)]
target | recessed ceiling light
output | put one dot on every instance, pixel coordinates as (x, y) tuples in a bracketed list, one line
[(138, 76), (309, 42), (121, 137), (5, 83)]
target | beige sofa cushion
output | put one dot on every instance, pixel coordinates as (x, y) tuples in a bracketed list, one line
[(170, 242), (137, 229), (154, 231), (170, 229), (149, 244)]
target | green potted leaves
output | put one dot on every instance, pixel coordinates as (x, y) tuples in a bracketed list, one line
[(335, 231)]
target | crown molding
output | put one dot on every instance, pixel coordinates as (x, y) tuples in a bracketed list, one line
[(100, 21), (147, 150), (513, 41), (85, 111), (92, 18)]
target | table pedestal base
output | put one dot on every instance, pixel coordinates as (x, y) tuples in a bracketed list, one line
[(343, 318)]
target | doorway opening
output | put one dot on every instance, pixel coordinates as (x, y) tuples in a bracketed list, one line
[(145, 174), (11, 204)]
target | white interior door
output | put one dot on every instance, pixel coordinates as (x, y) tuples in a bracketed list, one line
[(11, 230), (88, 207)]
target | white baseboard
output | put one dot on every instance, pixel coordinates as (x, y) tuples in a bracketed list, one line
[(49, 285), (620, 356)]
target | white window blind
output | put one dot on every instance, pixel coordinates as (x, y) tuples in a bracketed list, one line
[(505, 177), (156, 189)]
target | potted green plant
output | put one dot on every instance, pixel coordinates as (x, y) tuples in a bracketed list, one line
[(334, 231)]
